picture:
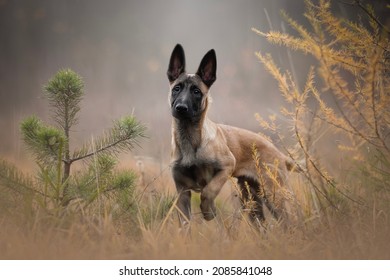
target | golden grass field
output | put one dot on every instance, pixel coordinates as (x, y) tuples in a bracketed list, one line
[(358, 233)]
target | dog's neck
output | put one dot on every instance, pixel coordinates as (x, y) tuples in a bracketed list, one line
[(188, 134)]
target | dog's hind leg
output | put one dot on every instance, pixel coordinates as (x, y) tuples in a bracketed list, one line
[(251, 199), (278, 198)]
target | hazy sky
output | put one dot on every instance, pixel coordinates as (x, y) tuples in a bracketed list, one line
[(121, 49)]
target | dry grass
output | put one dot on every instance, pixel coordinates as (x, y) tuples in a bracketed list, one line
[(360, 240), (361, 233)]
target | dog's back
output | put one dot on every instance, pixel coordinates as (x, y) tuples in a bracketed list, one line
[(244, 143)]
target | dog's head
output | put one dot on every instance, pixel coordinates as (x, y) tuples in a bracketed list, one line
[(189, 92)]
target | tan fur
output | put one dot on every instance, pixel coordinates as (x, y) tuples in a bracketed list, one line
[(233, 147)]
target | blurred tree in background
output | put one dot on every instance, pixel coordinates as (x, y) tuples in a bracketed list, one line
[(346, 93)]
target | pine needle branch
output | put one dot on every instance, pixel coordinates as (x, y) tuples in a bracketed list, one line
[(124, 135), (371, 15), (64, 92), (13, 179), (42, 140)]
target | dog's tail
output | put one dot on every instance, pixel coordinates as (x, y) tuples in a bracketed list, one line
[(294, 166)]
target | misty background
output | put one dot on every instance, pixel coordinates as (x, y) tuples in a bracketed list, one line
[(121, 50)]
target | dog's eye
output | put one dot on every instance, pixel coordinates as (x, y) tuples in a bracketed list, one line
[(176, 88), (197, 91)]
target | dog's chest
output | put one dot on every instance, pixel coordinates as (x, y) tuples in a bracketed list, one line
[(196, 175)]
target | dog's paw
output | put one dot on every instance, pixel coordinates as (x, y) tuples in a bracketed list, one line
[(208, 216), (208, 209)]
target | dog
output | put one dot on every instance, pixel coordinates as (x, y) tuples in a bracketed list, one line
[(206, 154)]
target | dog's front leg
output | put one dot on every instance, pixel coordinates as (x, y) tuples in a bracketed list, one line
[(184, 206), (210, 192)]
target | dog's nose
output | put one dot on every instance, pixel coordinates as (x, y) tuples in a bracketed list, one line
[(181, 108)]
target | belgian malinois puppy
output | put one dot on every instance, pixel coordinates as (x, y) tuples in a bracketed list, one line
[(206, 154)]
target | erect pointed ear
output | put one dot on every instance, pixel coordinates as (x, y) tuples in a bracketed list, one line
[(177, 63), (207, 70)]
